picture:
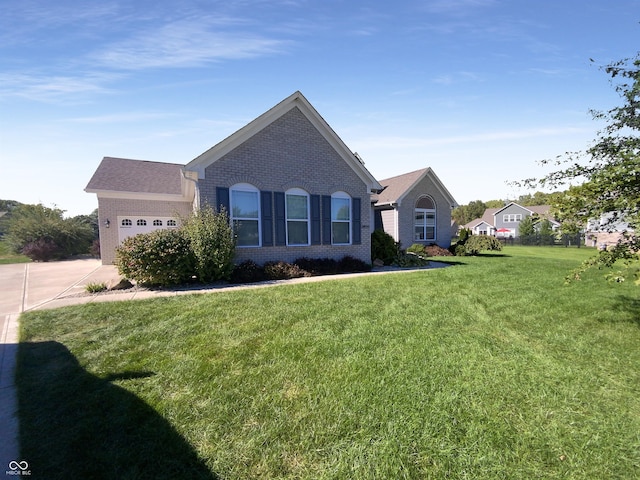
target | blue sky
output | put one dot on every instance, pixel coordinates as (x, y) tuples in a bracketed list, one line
[(479, 90)]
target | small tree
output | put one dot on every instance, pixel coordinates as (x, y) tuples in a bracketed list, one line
[(609, 172), (211, 240), (546, 232), (526, 227)]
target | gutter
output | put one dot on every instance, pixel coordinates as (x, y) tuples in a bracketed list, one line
[(196, 195)]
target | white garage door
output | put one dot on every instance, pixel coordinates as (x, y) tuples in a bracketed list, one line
[(133, 225)]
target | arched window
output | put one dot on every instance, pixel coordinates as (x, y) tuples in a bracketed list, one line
[(172, 223), (425, 220), (126, 222), (157, 223), (297, 213), (340, 218), (245, 218), (141, 222)]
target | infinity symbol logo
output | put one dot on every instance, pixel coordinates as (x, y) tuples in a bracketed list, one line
[(13, 465)]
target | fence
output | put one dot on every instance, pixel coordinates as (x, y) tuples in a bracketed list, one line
[(564, 240)]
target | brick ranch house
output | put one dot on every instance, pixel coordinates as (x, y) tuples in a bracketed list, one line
[(291, 186)]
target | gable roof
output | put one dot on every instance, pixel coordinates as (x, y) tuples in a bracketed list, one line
[(487, 217), (296, 100), (489, 214), (396, 188), (136, 177)]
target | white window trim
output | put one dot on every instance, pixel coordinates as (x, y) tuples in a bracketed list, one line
[(512, 217), (246, 187), (302, 193), (425, 225), (342, 195)]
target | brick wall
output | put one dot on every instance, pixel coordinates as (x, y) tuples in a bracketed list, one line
[(290, 153)]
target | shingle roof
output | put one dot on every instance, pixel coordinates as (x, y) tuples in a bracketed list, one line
[(487, 217), (125, 175), (396, 187)]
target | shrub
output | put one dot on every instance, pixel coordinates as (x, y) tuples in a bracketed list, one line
[(318, 266), (349, 264), (162, 257), (283, 271), (210, 238), (383, 247), (410, 260), (416, 248), (459, 250), (95, 287), (41, 250), (477, 243), (247, 272)]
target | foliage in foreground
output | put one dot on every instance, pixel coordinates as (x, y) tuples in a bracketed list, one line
[(452, 373), (610, 169)]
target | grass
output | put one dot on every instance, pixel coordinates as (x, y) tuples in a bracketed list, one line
[(7, 256), (489, 369)]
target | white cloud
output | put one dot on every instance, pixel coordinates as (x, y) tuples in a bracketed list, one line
[(54, 88), (186, 43)]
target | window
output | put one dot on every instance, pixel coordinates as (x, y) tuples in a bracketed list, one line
[(141, 222), (245, 208), (126, 222), (340, 218), (424, 225), (512, 217), (172, 223), (157, 223), (297, 213)]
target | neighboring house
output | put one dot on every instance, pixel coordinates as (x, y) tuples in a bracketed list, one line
[(504, 221), (415, 208), (606, 231), (291, 186)]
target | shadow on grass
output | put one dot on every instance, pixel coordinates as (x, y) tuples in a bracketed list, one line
[(629, 306), (76, 425)]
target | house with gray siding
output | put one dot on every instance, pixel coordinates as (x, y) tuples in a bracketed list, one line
[(504, 222), (290, 185)]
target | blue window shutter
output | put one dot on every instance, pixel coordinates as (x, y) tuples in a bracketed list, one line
[(315, 219), (222, 199), (326, 220), (266, 205), (356, 224), (280, 220)]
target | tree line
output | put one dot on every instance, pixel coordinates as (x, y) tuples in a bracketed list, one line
[(43, 233)]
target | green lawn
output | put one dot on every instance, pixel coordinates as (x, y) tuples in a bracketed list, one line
[(491, 368), (7, 256)]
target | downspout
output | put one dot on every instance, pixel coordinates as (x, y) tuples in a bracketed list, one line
[(196, 191)]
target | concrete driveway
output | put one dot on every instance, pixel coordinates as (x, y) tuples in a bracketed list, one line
[(29, 286)]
